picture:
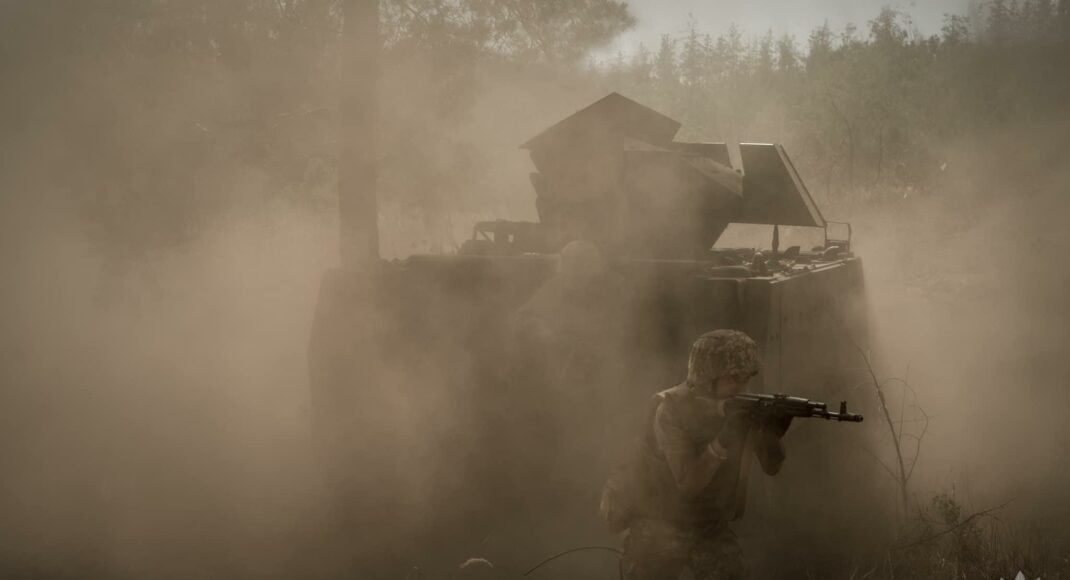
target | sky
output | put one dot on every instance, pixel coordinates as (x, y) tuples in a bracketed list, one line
[(755, 17)]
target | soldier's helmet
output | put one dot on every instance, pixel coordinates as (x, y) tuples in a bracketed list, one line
[(722, 352), (580, 260)]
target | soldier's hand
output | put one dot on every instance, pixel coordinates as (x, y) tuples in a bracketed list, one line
[(734, 430), (777, 424)]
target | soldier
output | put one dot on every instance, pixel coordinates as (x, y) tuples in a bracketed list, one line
[(688, 479), (569, 339), (567, 347), (577, 314)]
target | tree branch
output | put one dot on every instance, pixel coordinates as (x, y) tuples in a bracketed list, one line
[(969, 519), (891, 424), (880, 462)]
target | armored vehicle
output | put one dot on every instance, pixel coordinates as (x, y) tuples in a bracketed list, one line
[(445, 414)]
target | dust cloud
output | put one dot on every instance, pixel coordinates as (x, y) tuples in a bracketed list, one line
[(157, 425), (155, 409), (970, 306), (155, 415)]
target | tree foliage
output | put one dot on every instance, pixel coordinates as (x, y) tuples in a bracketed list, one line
[(863, 114), (526, 30), (155, 116), (163, 114)]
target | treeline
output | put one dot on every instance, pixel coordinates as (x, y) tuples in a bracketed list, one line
[(155, 117), (866, 112)]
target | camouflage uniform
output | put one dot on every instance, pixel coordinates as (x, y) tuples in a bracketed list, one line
[(566, 347), (658, 549), (669, 529)]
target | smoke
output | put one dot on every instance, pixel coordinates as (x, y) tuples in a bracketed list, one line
[(158, 300), (969, 306), (154, 401), (156, 423)]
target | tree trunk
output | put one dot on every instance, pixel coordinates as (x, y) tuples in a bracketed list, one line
[(358, 206)]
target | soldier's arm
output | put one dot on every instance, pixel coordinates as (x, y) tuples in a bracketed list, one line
[(691, 470), (770, 451)]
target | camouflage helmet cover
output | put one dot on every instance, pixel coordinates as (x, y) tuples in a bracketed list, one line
[(722, 352)]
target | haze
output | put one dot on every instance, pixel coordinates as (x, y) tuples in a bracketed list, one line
[(169, 213), (755, 17)]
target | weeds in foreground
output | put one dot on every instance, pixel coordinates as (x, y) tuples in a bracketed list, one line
[(945, 540)]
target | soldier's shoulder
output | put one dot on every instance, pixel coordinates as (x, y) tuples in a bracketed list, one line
[(674, 394)]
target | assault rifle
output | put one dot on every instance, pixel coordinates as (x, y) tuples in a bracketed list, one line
[(761, 405)]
